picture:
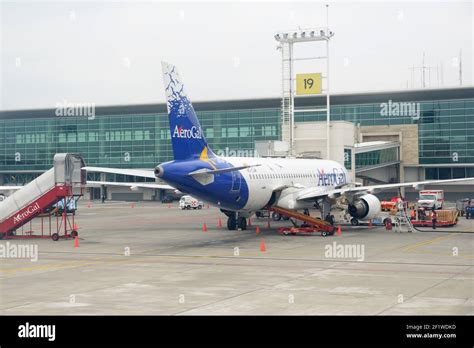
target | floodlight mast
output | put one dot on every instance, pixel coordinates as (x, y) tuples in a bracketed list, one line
[(287, 40)]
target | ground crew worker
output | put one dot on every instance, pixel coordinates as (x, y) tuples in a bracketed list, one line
[(434, 216), (388, 224), (421, 214), (329, 218)]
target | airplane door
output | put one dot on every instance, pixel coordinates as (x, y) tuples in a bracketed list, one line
[(236, 181)]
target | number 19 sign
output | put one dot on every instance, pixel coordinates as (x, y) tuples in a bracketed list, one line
[(308, 83)]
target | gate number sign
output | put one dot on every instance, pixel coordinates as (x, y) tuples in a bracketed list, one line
[(308, 84)]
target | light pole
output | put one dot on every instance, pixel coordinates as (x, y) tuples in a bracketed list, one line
[(287, 40)]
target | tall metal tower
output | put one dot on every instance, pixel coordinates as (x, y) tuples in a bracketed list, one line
[(287, 40)]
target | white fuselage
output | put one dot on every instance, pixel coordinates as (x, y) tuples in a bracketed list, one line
[(288, 177)]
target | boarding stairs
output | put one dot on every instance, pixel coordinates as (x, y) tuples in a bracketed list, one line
[(402, 218), (64, 180)]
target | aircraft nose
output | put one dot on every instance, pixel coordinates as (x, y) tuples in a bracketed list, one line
[(159, 171)]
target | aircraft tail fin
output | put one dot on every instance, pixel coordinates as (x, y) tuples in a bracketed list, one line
[(187, 136)]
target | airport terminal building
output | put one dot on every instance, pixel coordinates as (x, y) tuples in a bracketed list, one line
[(401, 135)]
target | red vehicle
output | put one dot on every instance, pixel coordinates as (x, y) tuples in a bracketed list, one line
[(389, 205)]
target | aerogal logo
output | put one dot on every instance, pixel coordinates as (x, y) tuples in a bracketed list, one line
[(336, 178), (28, 212), (193, 133)]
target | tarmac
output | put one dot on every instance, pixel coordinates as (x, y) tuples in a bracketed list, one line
[(148, 259)]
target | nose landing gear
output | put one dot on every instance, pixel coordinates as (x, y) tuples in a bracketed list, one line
[(242, 223), (234, 222), (231, 223)]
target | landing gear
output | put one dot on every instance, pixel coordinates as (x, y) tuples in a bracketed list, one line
[(242, 223), (236, 222), (231, 223)]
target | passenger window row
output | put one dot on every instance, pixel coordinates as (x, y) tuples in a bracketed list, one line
[(282, 175)]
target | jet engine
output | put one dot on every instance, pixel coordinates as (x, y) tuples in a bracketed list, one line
[(365, 207)]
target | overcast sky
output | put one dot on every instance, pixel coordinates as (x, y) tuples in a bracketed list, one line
[(110, 53)]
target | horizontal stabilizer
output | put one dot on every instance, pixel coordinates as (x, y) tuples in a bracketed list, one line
[(132, 185), (144, 173)]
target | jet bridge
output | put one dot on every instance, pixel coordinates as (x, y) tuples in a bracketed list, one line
[(64, 181)]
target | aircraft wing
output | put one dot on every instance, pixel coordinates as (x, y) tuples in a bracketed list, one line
[(144, 173), (132, 185), (316, 192)]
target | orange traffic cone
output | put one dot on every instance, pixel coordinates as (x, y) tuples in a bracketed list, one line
[(370, 223), (258, 230), (76, 242), (219, 223), (208, 206), (249, 223), (132, 205), (262, 246), (204, 227), (338, 230), (88, 205), (169, 206), (75, 227)]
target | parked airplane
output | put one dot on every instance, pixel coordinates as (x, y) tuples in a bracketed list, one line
[(240, 186)]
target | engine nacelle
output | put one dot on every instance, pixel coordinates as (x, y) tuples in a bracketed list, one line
[(365, 207)]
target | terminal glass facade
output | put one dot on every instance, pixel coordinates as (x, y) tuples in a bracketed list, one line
[(445, 127), (130, 139)]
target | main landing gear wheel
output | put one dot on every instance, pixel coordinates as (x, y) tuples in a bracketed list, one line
[(276, 216), (354, 222), (74, 234), (55, 237), (231, 223), (242, 223)]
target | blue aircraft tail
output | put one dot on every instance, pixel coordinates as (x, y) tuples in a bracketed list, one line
[(187, 136)]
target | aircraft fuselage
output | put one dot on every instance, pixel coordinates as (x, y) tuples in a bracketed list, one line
[(253, 188)]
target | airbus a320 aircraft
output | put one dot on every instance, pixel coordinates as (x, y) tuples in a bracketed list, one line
[(240, 186)]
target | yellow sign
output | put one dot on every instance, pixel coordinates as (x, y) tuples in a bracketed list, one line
[(308, 84)]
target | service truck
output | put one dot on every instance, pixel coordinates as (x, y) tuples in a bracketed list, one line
[(189, 202), (431, 198)]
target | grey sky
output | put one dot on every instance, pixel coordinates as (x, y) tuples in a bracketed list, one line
[(110, 53)]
